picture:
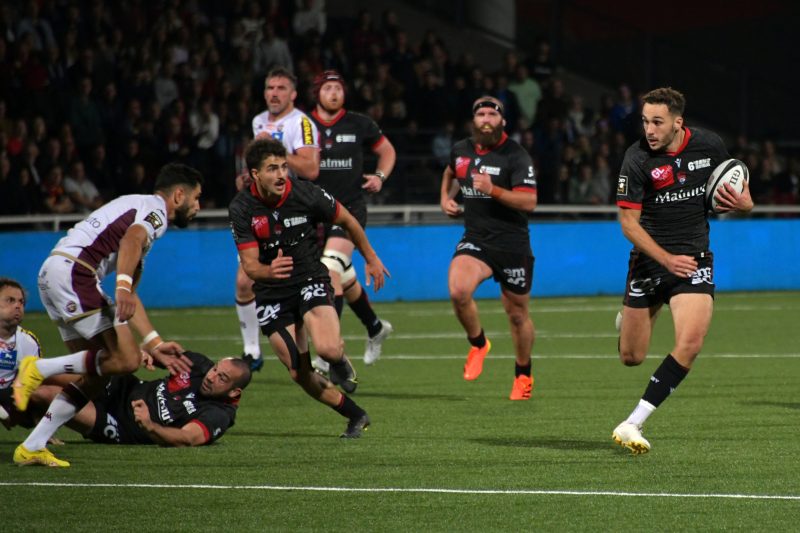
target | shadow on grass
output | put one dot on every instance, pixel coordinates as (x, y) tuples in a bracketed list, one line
[(545, 442), (411, 396)]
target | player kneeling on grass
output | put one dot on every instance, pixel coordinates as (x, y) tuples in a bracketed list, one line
[(187, 409), (274, 224)]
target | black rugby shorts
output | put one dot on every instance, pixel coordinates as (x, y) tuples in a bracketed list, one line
[(649, 284), (513, 271)]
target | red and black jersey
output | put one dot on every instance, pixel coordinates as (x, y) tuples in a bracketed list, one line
[(175, 401), (486, 220), (289, 225), (669, 189), (342, 143)]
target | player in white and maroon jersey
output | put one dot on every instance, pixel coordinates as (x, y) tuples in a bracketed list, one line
[(496, 179), (295, 130), (344, 137), (14, 341), (114, 238), (662, 211)]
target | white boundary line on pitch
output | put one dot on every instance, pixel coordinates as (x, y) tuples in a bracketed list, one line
[(430, 357), (523, 492)]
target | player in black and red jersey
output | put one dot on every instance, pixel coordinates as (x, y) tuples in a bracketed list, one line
[(661, 196), (496, 179), (274, 224), (187, 409), (344, 135)]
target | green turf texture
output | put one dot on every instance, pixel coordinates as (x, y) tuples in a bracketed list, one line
[(730, 429)]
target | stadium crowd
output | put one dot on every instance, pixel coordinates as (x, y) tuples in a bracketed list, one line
[(96, 96)]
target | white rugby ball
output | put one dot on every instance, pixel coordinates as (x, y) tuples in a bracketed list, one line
[(732, 172)]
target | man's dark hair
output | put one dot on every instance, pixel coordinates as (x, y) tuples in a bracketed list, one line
[(674, 100), (175, 174), (260, 149), (243, 380), (8, 282), (281, 72)]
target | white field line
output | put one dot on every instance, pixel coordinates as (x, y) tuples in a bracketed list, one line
[(490, 309), (409, 336), (523, 492)]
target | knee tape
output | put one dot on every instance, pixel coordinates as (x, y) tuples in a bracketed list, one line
[(339, 263)]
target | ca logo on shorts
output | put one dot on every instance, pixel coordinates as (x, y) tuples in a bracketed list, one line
[(267, 313), (112, 428), (316, 290)]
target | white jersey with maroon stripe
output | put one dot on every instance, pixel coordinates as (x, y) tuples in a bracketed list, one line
[(12, 350), (95, 240), (294, 131)]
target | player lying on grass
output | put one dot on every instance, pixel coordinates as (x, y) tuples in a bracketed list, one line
[(187, 409)]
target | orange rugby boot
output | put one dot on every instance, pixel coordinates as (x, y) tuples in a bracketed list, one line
[(521, 390), (475, 358)]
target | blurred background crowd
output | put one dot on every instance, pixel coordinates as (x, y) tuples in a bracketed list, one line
[(96, 95)]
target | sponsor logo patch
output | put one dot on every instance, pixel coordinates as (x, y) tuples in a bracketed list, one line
[(622, 185), (662, 177), (260, 225), (154, 219), (308, 138), (462, 164)]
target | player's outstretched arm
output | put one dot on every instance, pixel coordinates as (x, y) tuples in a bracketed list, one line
[(189, 435), (305, 162), (167, 354), (374, 267)]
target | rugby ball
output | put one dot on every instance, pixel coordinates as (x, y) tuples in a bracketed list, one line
[(731, 171)]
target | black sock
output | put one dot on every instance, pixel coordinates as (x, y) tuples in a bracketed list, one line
[(365, 314), (348, 408), (479, 341), (664, 380), (338, 303), (522, 370)]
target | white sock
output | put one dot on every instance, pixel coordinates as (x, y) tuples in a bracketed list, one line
[(58, 414), (74, 363), (641, 412), (248, 324)]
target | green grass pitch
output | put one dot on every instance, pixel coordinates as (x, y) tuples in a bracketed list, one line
[(448, 455)]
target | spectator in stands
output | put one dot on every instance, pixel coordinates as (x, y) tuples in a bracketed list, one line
[(542, 66), (84, 117), (56, 200), (80, 189), (270, 52), (38, 28), (310, 19), (528, 93)]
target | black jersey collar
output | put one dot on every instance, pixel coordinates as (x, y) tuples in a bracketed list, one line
[(286, 191)]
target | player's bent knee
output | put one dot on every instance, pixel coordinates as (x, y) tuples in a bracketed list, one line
[(337, 262), (631, 358)]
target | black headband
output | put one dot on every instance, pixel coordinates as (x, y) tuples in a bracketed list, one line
[(487, 103)]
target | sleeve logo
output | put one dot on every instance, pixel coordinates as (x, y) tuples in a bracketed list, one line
[(154, 220), (622, 185), (308, 138)]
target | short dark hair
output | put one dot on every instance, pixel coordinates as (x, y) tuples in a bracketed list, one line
[(281, 72), (174, 174), (8, 282), (674, 100), (260, 149), (246, 375)]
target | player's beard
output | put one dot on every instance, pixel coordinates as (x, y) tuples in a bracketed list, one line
[(486, 138), (182, 216)]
